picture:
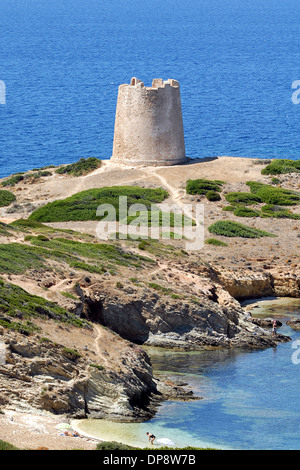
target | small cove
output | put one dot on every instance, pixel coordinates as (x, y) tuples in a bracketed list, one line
[(250, 399)]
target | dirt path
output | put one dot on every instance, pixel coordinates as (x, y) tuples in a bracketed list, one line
[(176, 194), (97, 339)]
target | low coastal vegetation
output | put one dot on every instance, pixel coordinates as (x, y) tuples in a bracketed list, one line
[(228, 228), (6, 198), (274, 195), (273, 198), (209, 188), (278, 167), (38, 228), (18, 307), (264, 193), (215, 242), (242, 198), (213, 196), (83, 206), (157, 218), (45, 254), (245, 212), (6, 230), (24, 177), (273, 210), (80, 168)]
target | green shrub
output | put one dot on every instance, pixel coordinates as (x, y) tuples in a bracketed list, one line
[(234, 229), (241, 211), (6, 198), (228, 208), (13, 180), (38, 174), (97, 366), (275, 181), (26, 328), (90, 268), (143, 245), (202, 186), (214, 241), (157, 218), (213, 196), (165, 290), (242, 198), (68, 295), (17, 177), (6, 229), (71, 353), (82, 167), (278, 167), (26, 223), (273, 195), (71, 250), (271, 210), (43, 168), (83, 206)]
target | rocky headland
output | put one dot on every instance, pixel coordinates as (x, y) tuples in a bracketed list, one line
[(154, 293)]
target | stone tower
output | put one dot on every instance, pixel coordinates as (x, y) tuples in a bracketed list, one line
[(148, 124)]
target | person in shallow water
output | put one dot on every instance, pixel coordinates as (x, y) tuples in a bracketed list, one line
[(151, 437), (274, 328)]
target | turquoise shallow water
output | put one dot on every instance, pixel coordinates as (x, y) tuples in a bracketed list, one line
[(250, 400), (62, 63)]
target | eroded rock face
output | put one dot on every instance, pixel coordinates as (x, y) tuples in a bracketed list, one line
[(144, 317), (272, 282), (43, 375)]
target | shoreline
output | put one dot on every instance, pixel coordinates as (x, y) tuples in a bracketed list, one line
[(256, 304), (30, 430)]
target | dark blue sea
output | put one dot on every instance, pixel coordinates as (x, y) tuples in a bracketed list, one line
[(62, 62)]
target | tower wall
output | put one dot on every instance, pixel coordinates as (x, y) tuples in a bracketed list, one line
[(148, 124)]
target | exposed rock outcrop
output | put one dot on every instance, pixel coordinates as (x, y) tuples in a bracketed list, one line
[(43, 375), (147, 318), (295, 324)]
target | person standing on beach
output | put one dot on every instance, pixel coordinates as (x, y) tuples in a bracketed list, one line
[(274, 328), (151, 437)]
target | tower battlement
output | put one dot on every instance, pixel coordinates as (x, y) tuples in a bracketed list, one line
[(148, 124), (156, 83)]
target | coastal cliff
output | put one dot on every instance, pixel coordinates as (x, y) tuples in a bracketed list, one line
[(43, 375), (147, 318), (280, 282)]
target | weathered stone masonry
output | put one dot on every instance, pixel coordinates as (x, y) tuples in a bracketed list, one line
[(148, 124)]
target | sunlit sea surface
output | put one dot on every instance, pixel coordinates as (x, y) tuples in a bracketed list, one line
[(62, 63)]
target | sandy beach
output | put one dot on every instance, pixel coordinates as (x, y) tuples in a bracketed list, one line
[(38, 432)]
